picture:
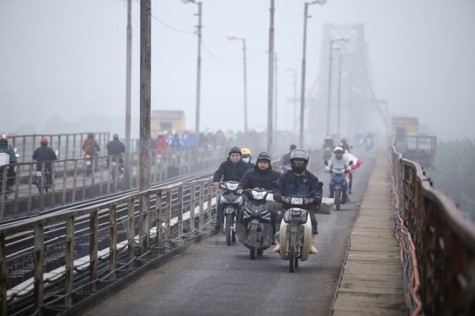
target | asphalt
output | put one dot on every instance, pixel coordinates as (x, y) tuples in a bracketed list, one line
[(372, 277)]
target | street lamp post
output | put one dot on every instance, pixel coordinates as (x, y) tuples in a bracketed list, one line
[(198, 73), (302, 93), (270, 78), (231, 38)]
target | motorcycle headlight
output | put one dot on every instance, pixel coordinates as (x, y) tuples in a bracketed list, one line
[(296, 201), (258, 195), (295, 215), (232, 185)]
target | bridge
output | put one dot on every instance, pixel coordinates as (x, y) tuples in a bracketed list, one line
[(397, 247), (96, 245)]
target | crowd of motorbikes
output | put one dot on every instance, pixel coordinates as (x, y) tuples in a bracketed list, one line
[(43, 176), (247, 220)]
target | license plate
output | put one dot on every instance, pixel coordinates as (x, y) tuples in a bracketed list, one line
[(88, 163), (38, 173)]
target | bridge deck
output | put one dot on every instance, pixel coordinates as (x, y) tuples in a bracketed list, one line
[(372, 279)]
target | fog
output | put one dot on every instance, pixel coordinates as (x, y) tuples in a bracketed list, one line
[(62, 62)]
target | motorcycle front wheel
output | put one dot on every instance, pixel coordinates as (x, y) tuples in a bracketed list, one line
[(337, 195), (229, 220), (253, 234), (292, 251)]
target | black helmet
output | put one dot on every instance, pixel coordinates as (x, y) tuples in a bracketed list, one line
[(3, 142), (298, 153), (235, 150), (263, 156), (292, 147)]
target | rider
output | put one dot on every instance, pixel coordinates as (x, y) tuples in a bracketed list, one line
[(299, 181), (232, 169), (327, 148), (344, 144), (91, 147), (6, 149), (47, 155), (246, 156), (285, 159), (261, 176), (338, 160), (115, 149)]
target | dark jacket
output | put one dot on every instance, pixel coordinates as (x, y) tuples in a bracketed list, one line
[(115, 147), (46, 154), (230, 171), (305, 185), (257, 178)]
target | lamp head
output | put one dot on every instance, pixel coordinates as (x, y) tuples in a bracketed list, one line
[(320, 2)]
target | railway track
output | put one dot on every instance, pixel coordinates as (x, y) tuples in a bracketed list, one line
[(20, 247)]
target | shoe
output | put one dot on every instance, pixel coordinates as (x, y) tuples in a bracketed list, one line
[(349, 192), (216, 226), (315, 231), (276, 248), (273, 243), (313, 249)]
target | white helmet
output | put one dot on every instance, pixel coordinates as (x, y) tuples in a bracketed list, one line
[(338, 148)]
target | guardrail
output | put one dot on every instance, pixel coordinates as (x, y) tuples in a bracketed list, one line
[(73, 184), (75, 253), (52, 261), (437, 244)]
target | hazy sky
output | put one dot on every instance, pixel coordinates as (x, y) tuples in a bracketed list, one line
[(62, 62)]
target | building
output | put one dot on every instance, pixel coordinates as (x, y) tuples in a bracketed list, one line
[(167, 121)]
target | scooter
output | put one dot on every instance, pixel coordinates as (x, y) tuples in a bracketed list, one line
[(339, 184), (256, 224), (4, 174), (295, 234), (231, 202)]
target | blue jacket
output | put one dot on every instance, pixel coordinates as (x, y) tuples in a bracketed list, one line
[(305, 185)]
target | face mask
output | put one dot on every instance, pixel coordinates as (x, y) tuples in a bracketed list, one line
[(234, 159), (246, 160)]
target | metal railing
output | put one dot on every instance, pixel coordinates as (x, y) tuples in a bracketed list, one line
[(76, 253), (437, 244), (72, 183)]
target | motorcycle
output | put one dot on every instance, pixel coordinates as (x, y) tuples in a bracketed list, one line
[(327, 153), (4, 174), (339, 183), (116, 166), (89, 161), (43, 182), (295, 234), (256, 223), (231, 202)]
